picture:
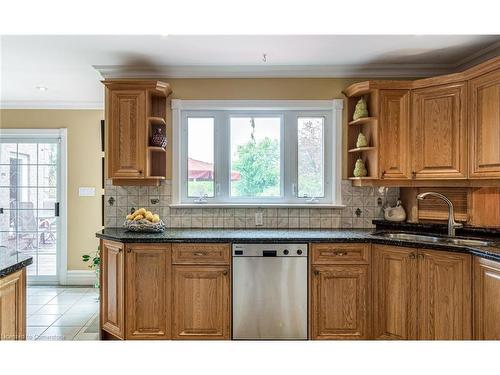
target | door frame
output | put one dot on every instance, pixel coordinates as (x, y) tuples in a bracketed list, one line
[(62, 250)]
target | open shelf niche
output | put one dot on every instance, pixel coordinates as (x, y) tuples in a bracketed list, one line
[(369, 127), (156, 159)]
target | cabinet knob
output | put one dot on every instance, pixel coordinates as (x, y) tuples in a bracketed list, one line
[(224, 273), (140, 172), (316, 273), (412, 256), (413, 175), (383, 174), (420, 256)]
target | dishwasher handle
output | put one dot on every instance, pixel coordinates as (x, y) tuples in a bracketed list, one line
[(269, 253)]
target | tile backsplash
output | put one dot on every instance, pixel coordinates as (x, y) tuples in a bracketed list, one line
[(363, 204)]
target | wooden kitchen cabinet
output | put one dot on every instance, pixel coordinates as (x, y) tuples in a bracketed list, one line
[(394, 134), (444, 296), (486, 299), (394, 293), (201, 302), (134, 110), (148, 291), (340, 302), (112, 288), (484, 125), (340, 291), (421, 294), (13, 306), (439, 132)]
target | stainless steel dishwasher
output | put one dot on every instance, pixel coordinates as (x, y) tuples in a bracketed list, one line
[(270, 291)]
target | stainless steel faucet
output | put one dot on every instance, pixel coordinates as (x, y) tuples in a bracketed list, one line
[(452, 224)]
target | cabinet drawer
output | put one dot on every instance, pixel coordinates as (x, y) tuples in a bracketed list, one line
[(331, 253), (200, 253)]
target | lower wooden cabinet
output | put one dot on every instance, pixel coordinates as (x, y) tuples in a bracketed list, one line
[(444, 295), (13, 306), (486, 299), (148, 291), (340, 302), (112, 288), (340, 291), (394, 292), (201, 302), (421, 294)]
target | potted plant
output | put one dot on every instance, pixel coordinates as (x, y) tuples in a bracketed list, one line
[(95, 262)]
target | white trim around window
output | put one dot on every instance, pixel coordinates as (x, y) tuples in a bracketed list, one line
[(289, 110)]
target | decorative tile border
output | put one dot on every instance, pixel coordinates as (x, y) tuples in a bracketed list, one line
[(363, 204)]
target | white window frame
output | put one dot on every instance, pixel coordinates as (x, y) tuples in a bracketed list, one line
[(290, 110), (17, 135)]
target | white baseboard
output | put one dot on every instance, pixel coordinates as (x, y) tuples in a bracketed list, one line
[(80, 277)]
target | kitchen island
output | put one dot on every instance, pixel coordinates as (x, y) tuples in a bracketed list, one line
[(361, 284), (13, 294)]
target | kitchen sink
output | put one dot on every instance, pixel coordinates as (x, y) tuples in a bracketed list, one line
[(436, 239)]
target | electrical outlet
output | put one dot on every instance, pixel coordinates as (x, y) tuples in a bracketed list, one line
[(258, 219)]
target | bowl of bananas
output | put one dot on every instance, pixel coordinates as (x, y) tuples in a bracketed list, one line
[(142, 220)]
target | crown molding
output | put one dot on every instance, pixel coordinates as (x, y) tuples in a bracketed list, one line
[(275, 71), (480, 56), (50, 104)]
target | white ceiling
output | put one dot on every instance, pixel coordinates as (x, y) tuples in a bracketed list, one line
[(72, 66)]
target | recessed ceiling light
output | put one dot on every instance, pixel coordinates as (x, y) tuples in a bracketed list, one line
[(41, 88)]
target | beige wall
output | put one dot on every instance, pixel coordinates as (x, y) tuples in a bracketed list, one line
[(84, 169), (84, 133)]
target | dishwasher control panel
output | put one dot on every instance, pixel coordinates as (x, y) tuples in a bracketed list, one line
[(270, 250)]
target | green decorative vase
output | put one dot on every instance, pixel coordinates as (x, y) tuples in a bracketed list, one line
[(360, 168), (361, 142), (361, 109)]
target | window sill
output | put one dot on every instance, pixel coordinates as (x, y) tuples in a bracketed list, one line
[(257, 205)]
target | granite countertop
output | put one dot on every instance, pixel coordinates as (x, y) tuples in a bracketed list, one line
[(286, 236), (12, 261)]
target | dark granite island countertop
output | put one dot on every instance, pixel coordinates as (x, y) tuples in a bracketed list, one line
[(284, 236), (12, 261)]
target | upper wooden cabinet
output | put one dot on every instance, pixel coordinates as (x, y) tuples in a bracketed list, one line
[(148, 291), (126, 134), (394, 134), (486, 299), (134, 110), (439, 133), (484, 125)]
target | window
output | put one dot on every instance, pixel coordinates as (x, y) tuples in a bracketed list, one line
[(256, 156)]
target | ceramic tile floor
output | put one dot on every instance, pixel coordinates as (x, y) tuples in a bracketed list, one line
[(62, 313)]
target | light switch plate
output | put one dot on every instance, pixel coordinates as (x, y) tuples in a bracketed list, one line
[(86, 192), (258, 219)]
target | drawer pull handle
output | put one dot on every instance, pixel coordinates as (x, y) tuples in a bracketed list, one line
[(200, 253), (340, 253)]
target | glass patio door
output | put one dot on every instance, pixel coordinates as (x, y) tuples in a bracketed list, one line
[(29, 202)]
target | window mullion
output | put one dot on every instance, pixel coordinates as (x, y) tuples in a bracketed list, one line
[(290, 159), (222, 156)]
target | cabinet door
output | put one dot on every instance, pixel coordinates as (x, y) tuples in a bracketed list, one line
[(444, 303), (394, 294), (486, 299), (484, 125), (112, 288), (13, 306), (439, 132), (126, 122), (340, 302), (201, 307), (394, 134), (148, 291)]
